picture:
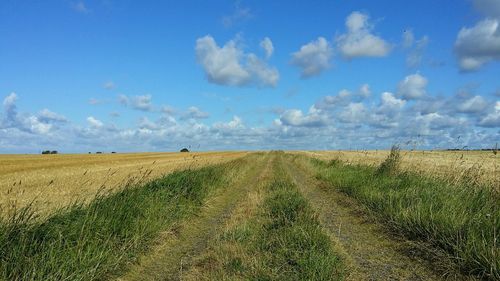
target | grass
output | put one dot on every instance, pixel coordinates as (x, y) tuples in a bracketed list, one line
[(92, 241), (281, 240), (461, 219)]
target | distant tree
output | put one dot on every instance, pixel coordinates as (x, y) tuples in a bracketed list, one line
[(46, 152), (53, 152), (184, 150), (113, 152), (98, 152)]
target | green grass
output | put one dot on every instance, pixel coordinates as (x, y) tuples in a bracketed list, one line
[(463, 220), (282, 241), (92, 241), (295, 245)]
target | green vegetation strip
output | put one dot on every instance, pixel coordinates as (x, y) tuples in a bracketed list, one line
[(91, 241), (283, 241), (463, 220)]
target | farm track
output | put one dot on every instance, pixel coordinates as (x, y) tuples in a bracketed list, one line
[(187, 240), (370, 253)]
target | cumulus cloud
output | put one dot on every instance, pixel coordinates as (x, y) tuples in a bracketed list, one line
[(313, 58), (350, 122), (41, 123), (354, 113), (342, 98), (413, 87), (141, 102), (235, 123), (194, 112), (47, 116), (229, 65), (389, 103), (359, 41), (295, 117), (475, 104), (492, 120), (94, 123), (267, 45), (10, 109), (478, 45)]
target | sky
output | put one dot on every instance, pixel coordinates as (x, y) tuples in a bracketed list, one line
[(126, 76)]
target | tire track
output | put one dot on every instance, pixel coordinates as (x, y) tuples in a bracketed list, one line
[(369, 252), (181, 244)]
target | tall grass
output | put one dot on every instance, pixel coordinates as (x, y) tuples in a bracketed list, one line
[(295, 245), (461, 219), (91, 241), (283, 240)]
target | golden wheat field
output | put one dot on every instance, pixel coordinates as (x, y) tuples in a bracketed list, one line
[(52, 181), (483, 166)]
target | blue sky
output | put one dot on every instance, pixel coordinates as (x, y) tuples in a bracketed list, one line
[(113, 75)]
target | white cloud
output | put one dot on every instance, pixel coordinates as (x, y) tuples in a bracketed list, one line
[(413, 87), (354, 113), (295, 117), (9, 105), (342, 98), (478, 45), (141, 102), (313, 58), (194, 112), (95, 123), (492, 120), (364, 91), (359, 41), (475, 104), (267, 45), (388, 103), (47, 116), (230, 65), (234, 124)]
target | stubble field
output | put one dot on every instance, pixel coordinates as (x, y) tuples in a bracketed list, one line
[(52, 181)]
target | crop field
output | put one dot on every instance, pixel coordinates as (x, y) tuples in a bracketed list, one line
[(52, 181), (302, 215), (483, 165)]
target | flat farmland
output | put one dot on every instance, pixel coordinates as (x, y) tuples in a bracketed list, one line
[(52, 181), (483, 166)]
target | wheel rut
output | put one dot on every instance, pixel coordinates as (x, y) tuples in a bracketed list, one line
[(370, 253), (182, 243)]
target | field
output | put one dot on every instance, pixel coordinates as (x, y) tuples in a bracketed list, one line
[(484, 165), (305, 215), (52, 181)]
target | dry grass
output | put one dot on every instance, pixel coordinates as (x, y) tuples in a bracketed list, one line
[(52, 181), (482, 166)]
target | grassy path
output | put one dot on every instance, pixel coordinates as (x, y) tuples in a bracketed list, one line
[(273, 234), (368, 251), (188, 239)]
